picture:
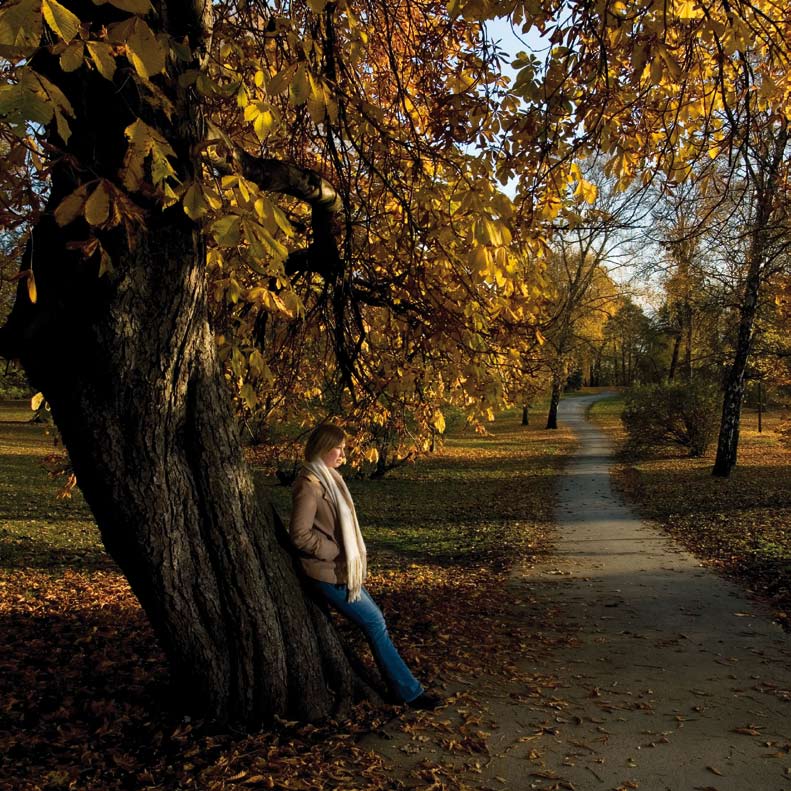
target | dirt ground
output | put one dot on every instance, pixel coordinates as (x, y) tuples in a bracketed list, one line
[(647, 670)]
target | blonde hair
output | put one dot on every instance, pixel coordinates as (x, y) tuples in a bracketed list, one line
[(323, 439)]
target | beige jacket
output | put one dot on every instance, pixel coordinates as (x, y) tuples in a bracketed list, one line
[(315, 530)]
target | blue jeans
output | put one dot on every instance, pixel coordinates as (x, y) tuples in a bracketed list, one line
[(369, 618)]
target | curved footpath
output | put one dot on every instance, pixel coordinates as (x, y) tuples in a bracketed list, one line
[(675, 681), (649, 672)]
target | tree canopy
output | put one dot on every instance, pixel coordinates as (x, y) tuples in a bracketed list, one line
[(326, 207)]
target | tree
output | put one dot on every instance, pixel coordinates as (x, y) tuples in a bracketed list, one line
[(142, 117), (166, 129), (631, 349), (588, 242), (764, 194)]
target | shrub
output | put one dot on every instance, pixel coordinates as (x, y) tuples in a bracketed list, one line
[(676, 413)]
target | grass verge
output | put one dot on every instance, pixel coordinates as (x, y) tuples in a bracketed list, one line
[(741, 524), (83, 681)]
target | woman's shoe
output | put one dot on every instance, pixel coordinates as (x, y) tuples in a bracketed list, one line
[(425, 701)]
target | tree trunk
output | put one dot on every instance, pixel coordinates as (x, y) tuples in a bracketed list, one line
[(674, 358), (686, 368), (554, 399), (760, 408), (764, 183), (525, 415), (128, 364), (728, 441)]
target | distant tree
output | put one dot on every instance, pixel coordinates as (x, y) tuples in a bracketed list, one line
[(587, 245)]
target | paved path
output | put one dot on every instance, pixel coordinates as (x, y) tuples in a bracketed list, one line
[(647, 670), (675, 680)]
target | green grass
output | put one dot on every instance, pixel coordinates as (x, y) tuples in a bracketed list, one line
[(478, 497), (37, 529), (608, 410)]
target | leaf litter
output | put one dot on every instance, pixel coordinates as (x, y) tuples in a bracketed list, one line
[(83, 684)]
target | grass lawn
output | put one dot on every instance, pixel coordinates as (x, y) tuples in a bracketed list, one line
[(83, 683), (742, 524)]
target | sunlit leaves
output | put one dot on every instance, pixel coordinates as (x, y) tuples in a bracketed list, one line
[(60, 19), (34, 98), (102, 56), (32, 290), (71, 206), (144, 50), (72, 57), (97, 206), (263, 117), (227, 231), (147, 146), (195, 204), (21, 26)]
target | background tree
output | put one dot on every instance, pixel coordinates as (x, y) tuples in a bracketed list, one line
[(590, 240)]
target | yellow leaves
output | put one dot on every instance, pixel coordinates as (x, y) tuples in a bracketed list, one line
[(688, 9), (32, 291), (62, 21), (438, 421), (488, 231), (227, 231), (34, 99), (20, 28), (195, 205), (300, 87), (262, 244), (737, 37), (71, 206), (639, 59), (586, 191), (263, 116), (147, 144), (102, 56), (768, 88), (303, 88), (100, 203), (281, 81), (72, 57), (548, 208), (145, 52), (97, 207), (273, 302), (141, 7)]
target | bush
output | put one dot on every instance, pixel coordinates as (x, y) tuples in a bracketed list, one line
[(677, 413), (13, 385)]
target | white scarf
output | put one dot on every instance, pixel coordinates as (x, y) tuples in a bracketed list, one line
[(353, 544)]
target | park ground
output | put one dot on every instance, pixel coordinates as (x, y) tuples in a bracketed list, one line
[(82, 681)]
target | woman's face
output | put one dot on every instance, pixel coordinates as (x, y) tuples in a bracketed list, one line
[(336, 456)]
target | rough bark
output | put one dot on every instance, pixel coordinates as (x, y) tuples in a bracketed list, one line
[(128, 364)]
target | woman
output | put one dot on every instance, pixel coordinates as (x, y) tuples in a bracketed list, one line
[(324, 529)]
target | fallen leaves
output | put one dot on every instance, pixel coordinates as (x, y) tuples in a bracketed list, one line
[(84, 687)]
